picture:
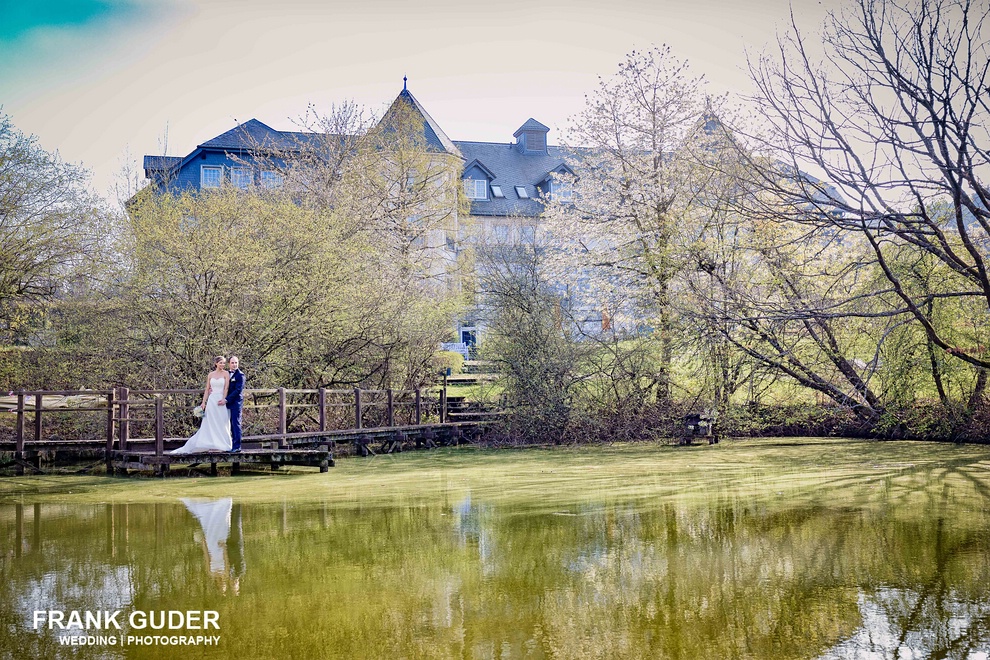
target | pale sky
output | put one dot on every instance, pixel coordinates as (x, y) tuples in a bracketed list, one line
[(102, 81)]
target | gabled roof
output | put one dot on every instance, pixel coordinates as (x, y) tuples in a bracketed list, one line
[(481, 166), (563, 167), (251, 134), (435, 137), (531, 125)]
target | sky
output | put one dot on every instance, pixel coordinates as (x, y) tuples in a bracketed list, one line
[(104, 82)]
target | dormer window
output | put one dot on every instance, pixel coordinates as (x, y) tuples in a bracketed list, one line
[(521, 191), (531, 137), (561, 191), (476, 188)]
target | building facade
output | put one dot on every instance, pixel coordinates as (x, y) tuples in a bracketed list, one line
[(504, 183)]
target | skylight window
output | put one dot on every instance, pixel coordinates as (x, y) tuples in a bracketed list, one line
[(521, 191), (497, 192)]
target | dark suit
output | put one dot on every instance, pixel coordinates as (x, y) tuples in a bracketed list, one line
[(234, 391)]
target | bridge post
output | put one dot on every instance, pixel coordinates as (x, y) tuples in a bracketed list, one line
[(19, 433), (38, 402), (419, 406), (282, 418), (357, 407), (110, 432), (124, 410), (391, 407), (323, 408), (443, 405), (19, 437), (159, 427)]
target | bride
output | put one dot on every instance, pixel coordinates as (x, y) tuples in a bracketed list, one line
[(214, 433)]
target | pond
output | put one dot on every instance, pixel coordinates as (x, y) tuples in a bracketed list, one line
[(787, 548)]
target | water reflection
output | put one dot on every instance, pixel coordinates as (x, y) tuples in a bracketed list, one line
[(902, 573), (222, 537)]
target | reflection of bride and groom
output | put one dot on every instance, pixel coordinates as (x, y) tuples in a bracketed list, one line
[(223, 538), (221, 426)]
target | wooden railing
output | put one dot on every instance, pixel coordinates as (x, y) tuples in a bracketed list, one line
[(127, 409)]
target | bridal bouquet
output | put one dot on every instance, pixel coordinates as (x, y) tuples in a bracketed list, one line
[(198, 411)]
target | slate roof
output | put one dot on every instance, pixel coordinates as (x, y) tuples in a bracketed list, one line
[(161, 162), (508, 166), (512, 168), (252, 134), (531, 125), (435, 137)]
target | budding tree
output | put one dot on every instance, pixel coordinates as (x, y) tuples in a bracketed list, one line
[(619, 233), (51, 228)]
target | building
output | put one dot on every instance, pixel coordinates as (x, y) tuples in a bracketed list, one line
[(504, 182)]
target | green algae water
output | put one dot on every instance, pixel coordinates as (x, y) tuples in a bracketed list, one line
[(807, 548)]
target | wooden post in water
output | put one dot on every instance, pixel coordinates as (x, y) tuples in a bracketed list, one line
[(38, 401), (18, 529), (159, 427), (282, 417), (357, 407), (36, 529), (391, 407), (323, 408), (124, 421), (419, 406)]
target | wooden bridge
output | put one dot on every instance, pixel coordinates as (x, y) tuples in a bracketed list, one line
[(128, 429)]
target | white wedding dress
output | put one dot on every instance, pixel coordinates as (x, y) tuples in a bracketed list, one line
[(214, 432)]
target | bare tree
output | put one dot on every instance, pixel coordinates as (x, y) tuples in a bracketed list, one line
[(894, 124)]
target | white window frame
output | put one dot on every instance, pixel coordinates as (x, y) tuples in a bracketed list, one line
[(472, 188), (561, 191), (203, 169), (241, 177), (501, 233), (527, 234), (270, 179), (521, 192), (497, 192)]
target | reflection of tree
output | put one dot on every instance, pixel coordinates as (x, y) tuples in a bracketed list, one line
[(727, 573)]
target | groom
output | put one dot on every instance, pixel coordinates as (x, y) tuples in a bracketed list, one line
[(233, 402)]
